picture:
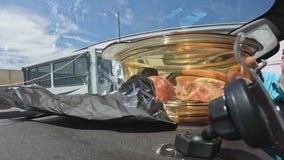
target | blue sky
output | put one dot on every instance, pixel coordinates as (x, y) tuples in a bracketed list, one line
[(32, 30)]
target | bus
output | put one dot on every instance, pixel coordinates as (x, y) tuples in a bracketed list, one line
[(82, 71)]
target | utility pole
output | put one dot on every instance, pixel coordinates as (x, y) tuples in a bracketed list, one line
[(118, 24)]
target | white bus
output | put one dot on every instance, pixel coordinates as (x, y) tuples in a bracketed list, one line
[(83, 71)]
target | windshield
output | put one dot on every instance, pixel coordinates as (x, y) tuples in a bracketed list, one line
[(33, 29)]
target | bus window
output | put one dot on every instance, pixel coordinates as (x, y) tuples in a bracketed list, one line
[(73, 73), (105, 77), (81, 66), (43, 72)]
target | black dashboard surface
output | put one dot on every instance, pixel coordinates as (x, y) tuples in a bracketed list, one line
[(56, 137)]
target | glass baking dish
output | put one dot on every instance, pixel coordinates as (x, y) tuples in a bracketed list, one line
[(171, 54)]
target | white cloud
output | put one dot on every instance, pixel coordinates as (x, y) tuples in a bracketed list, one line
[(24, 37), (63, 24), (126, 14), (122, 2), (77, 38), (129, 16)]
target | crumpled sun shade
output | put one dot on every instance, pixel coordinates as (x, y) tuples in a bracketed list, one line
[(134, 100)]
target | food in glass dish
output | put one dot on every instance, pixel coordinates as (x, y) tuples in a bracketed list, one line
[(164, 90)]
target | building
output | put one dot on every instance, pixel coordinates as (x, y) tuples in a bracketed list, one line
[(10, 77)]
